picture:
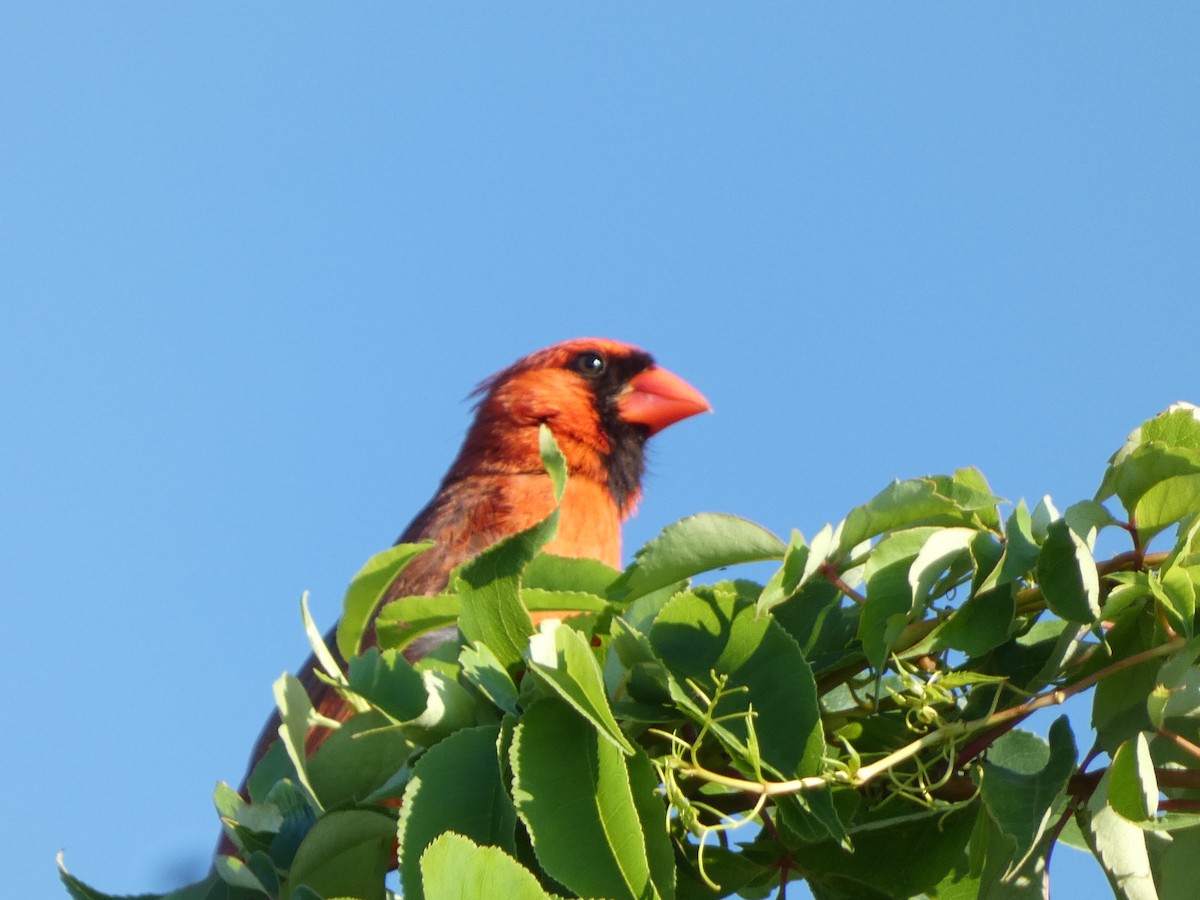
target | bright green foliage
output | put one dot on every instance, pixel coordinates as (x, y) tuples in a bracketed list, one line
[(859, 711)]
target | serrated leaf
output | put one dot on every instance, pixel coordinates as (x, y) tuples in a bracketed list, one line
[(489, 590), (456, 786), (568, 573), (562, 658), (1120, 846), (702, 632), (80, 891), (482, 668), (1021, 779), (699, 543), (1132, 785), (787, 580), (367, 589), (1067, 575), (585, 799), (404, 620), (345, 854), (901, 504), (456, 868)]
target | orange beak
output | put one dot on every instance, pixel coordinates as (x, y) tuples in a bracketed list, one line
[(657, 398)]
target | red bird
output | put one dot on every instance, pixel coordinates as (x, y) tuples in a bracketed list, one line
[(601, 399)]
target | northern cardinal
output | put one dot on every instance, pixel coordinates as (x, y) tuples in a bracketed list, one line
[(601, 399)]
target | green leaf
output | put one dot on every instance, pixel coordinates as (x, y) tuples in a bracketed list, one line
[(1041, 517), (489, 589), (899, 855), (357, 760), (970, 491), (562, 658), (889, 594), (295, 708), (787, 580), (1167, 502), (1021, 779), (553, 461), (456, 786), (1120, 846), (1146, 466), (901, 504), (1020, 550), (566, 573), (944, 547), (699, 543), (1119, 704), (542, 600), (456, 868), (250, 825), (1132, 785), (1087, 518), (346, 854), (367, 589), (448, 708), (482, 668), (81, 891), (982, 623), (1173, 863), (706, 631), (389, 682), (404, 620), (1067, 574), (1177, 593), (585, 799)]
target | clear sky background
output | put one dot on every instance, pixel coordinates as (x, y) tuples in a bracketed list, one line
[(253, 257)]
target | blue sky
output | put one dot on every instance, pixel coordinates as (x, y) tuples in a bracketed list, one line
[(256, 255)]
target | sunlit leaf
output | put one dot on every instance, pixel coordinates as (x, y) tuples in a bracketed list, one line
[(699, 543), (1067, 574), (456, 786), (456, 868), (367, 590)]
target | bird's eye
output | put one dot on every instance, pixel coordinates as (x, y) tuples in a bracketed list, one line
[(589, 364)]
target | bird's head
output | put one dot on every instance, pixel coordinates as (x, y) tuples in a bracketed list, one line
[(601, 399)]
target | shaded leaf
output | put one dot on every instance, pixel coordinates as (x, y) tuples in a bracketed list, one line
[(1067, 574), (1021, 779), (701, 632), (345, 854)]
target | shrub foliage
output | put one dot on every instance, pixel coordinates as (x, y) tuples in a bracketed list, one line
[(854, 722)]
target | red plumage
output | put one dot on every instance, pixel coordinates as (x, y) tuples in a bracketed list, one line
[(601, 399)]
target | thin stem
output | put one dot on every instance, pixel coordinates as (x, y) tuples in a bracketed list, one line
[(1181, 742), (869, 773), (835, 578)]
